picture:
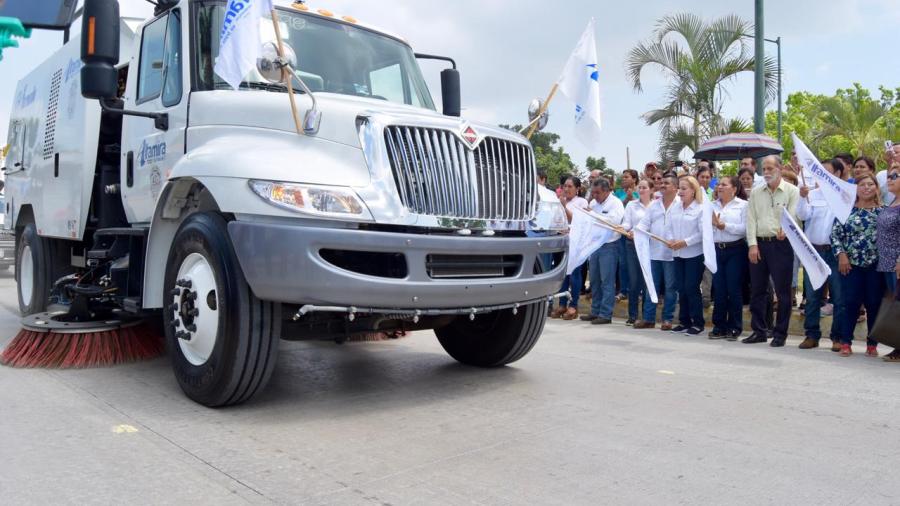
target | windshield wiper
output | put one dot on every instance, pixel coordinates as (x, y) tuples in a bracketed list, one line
[(256, 85)]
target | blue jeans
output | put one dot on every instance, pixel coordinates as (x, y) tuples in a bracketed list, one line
[(890, 279), (573, 284), (688, 276), (602, 270), (728, 283), (637, 291), (813, 310), (663, 277), (863, 286), (622, 267)]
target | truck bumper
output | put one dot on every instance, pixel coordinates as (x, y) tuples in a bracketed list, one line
[(285, 263), (7, 253)]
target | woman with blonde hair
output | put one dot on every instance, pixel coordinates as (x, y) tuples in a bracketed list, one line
[(686, 241)]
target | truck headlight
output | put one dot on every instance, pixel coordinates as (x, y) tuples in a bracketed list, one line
[(327, 201), (550, 217)]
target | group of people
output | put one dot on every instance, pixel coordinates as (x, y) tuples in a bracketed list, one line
[(750, 247)]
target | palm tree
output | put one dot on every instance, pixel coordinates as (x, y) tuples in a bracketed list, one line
[(856, 116), (699, 59)]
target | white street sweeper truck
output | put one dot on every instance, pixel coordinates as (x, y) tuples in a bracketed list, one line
[(141, 186)]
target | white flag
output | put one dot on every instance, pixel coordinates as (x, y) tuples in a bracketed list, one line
[(642, 248), (839, 194), (580, 83), (813, 265), (709, 247), (239, 42), (585, 237)]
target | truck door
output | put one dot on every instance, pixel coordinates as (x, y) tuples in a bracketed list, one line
[(155, 84)]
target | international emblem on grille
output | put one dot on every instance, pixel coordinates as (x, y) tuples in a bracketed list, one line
[(470, 136)]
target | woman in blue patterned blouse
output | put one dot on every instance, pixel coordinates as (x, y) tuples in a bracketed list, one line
[(854, 245), (889, 240)]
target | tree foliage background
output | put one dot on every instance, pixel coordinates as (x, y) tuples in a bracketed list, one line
[(851, 121)]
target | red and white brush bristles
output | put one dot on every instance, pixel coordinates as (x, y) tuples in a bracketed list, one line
[(94, 349)]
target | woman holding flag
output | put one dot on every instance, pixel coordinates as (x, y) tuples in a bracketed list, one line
[(730, 235), (568, 307), (853, 243), (634, 213), (686, 223)]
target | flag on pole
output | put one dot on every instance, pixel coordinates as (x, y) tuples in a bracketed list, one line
[(839, 194), (580, 83), (585, 237), (239, 42), (813, 266), (709, 247), (642, 248)]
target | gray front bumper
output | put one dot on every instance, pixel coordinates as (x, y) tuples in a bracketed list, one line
[(282, 263)]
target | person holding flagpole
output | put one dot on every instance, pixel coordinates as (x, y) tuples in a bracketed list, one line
[(662, 265), (634, 213), (818, 220), (568, 307), (730, 235), (602, 263), (686, 224), (770, 253), (854, 245)]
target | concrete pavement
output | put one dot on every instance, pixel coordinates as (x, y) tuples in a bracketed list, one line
[(594, 415)]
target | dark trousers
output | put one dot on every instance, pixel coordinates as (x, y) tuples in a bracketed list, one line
[(572, 284), (728, 282), (688, 275), (637, 293), (624, 273), (814, 298), (863, 286), (777, 264)]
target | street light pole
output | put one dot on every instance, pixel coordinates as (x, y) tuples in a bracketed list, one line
[(759, 99), (778, 42)]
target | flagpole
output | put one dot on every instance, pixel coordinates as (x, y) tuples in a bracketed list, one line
[(542, 110), (285, 72)]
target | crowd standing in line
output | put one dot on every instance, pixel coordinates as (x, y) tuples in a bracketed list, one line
[(751, 249)]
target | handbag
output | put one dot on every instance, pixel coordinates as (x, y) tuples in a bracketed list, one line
[(887, 326)]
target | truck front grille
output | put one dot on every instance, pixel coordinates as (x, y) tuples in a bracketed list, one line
[(437, 174)]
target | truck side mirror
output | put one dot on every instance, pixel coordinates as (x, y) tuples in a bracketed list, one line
[(450, 93), (100, 49)]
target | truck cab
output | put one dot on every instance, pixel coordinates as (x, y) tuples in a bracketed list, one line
[(204, 205)]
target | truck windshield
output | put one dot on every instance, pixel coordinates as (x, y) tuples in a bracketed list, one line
[(332, 57)]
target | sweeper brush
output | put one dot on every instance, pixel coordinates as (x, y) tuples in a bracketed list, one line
[(48, 340)]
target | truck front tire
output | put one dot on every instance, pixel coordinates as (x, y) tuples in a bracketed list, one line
[(33, 272), (235, 335), (494, 339)]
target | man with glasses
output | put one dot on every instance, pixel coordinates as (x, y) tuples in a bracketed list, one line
[(770, 252)]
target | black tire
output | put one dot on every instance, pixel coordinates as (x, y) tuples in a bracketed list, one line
[(246, 342), (41, 273), (494, 339)]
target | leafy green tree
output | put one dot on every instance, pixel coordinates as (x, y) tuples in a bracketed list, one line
[(698, 59), (549, 157)]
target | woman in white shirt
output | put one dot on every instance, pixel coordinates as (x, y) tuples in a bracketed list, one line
[(568, 308), (634, 213), (686, 241), (656, 221), (730, 235)]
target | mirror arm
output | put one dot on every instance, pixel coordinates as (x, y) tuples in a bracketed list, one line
[(423, 56), (313, 116), (160, 119)]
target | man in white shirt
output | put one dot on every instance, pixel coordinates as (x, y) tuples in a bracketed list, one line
[(818, 220), (602, 263), (656, 221)]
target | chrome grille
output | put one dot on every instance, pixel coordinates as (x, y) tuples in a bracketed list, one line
[(436, 174)]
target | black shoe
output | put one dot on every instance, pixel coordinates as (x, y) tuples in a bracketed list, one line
[(716, 333), (694, 331), (777, 342), (629, 322), (601, 321), (754, 338), (733, 335), (680, 328), (588, 317)]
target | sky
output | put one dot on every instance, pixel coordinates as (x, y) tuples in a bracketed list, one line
[(511, 52)]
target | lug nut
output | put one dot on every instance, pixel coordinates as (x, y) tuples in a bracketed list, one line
[(194, 312), (191, 328), (183, 335), (175, 292), (174, 307), (186, 283)]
